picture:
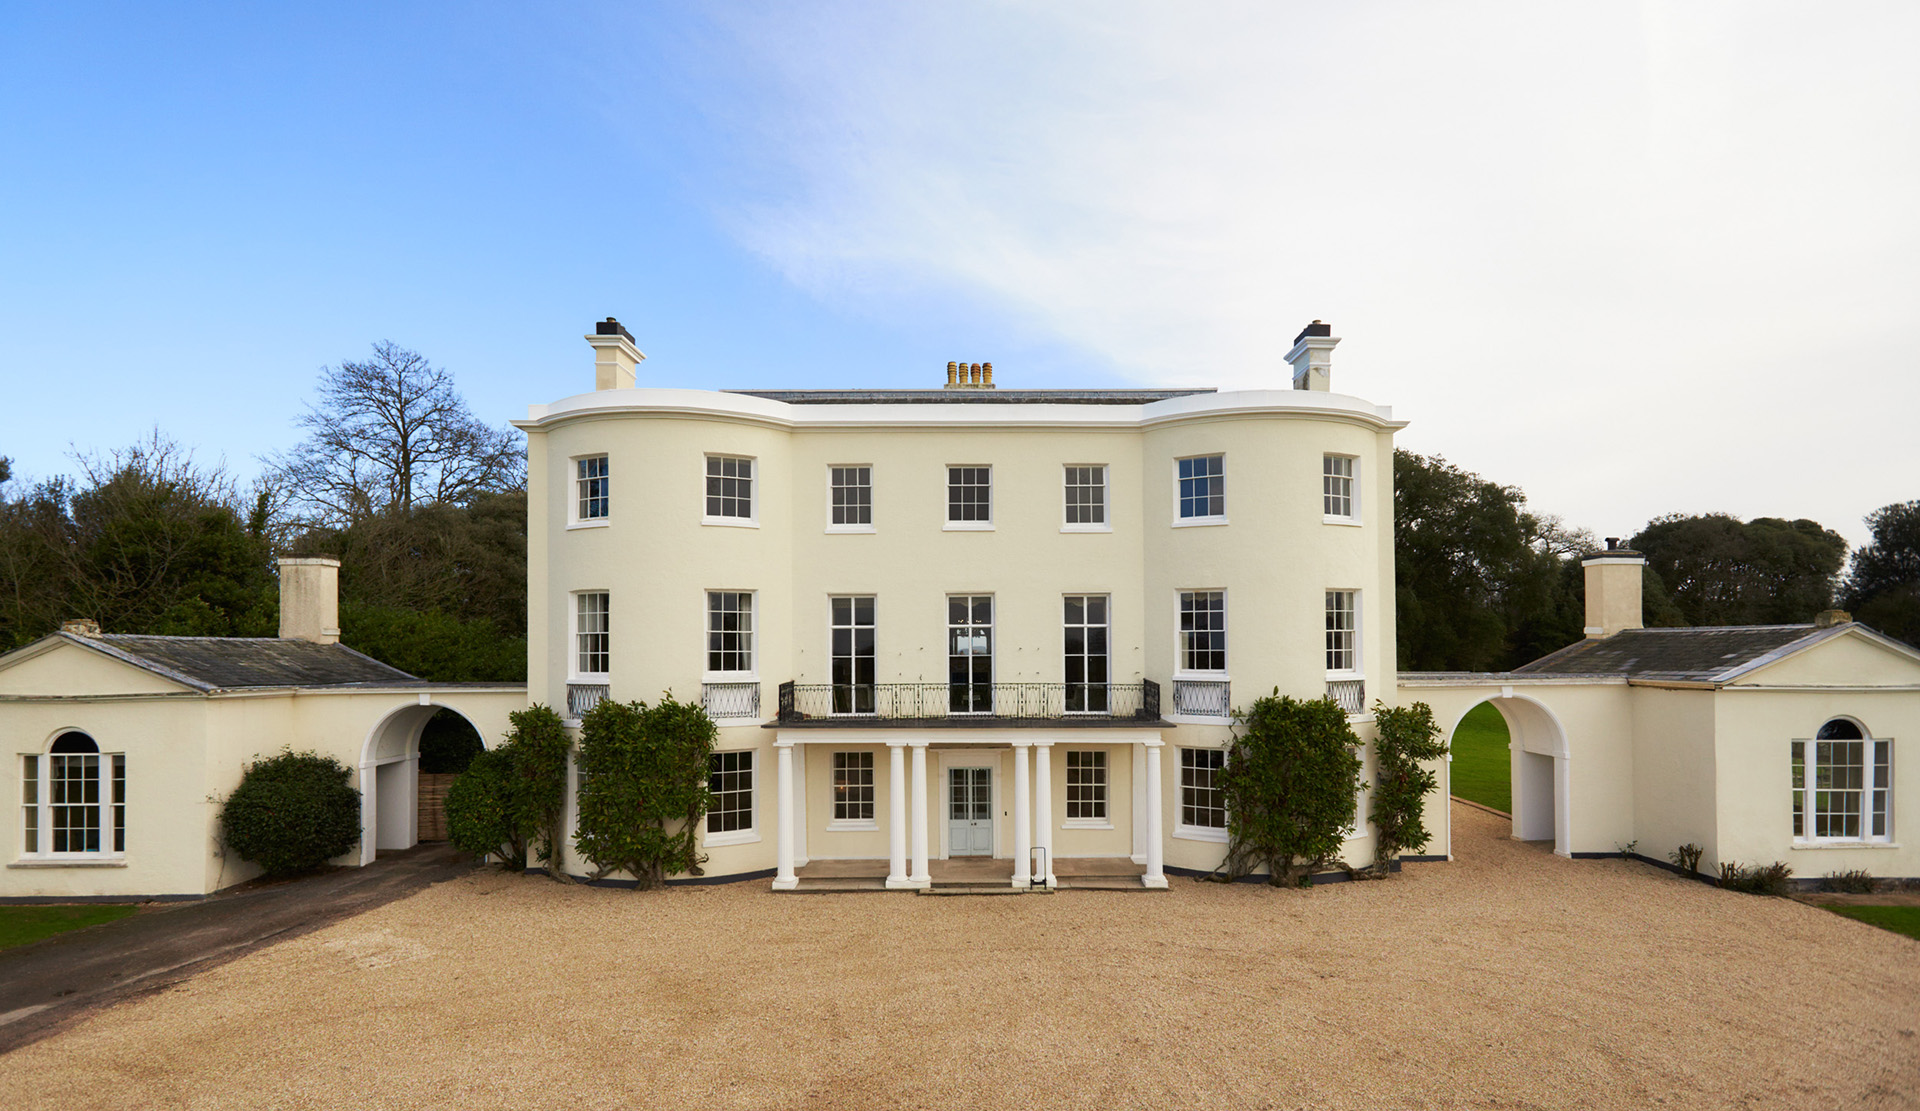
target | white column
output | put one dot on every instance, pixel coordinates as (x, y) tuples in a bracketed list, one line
[(783, 877), (921, 877), (1022, 821), (1156, 847), (897, 815), (1043, 812)]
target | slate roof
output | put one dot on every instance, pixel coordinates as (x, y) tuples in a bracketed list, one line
[(968, 396), (238, 663), (1709, 654)]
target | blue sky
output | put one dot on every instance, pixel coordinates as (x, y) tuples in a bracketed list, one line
[(1634, 259)]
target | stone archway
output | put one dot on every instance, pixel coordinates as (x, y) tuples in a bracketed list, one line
[(1537, 768), (390, 778)]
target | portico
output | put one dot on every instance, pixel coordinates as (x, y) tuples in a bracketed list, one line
[(1023, 798)]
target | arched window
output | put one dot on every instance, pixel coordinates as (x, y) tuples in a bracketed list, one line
[(1844, 792), (73, 800)]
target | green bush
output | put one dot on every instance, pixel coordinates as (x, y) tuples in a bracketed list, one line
[(1756, 879), (509, 800), (1292, 781), (1406, 736), (292, 813), (1687, 857), (1859, 881), (643, 787), (479, 807)]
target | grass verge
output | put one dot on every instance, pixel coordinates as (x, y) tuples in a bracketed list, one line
[(21, 925), (1482, 768), (1901, 920)]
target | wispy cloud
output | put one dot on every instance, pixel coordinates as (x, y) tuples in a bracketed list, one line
[(1635, 259)]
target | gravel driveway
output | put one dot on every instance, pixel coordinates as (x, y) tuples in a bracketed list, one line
[(1507, 979)]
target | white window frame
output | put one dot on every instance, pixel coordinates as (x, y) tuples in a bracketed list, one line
[(1181, 829), (575, 518), (993, 650), (1200, 522), (751, 833), (1352, 478), (752, 610), (1358, 670), (1180, 668), (1872, 748), (849, 528), (574, 673), (1105, 821), (853, 657), (1105, 524), (1087, 655), (110, 810), (754, 476), (834, 821), (946, 498)]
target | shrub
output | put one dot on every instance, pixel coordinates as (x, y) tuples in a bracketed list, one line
[(292, 813), (1755, 879), (643, 787), (1687, 857), (1859, 881), (1405, 737), (480, 817), (1292, 781), (509, 800)]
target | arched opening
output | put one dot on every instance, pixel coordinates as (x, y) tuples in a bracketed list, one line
[(1510, 754), (392, 764)]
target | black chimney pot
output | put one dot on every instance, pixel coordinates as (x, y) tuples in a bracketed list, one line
[(1314, 329)]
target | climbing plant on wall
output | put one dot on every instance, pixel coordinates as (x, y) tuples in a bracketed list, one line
[(1406, 736), (643, 787), (509, 801), (1292, 779)]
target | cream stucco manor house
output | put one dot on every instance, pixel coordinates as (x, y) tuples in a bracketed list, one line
[(973, 632)]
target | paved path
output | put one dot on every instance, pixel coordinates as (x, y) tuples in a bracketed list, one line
[(49, 984)]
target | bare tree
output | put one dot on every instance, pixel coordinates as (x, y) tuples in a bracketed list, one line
[(388, 434)]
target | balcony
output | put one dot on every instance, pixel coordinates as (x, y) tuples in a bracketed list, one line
[(582, 697), (730, 701), (970, 704), (1349, 694), (1202, 698)]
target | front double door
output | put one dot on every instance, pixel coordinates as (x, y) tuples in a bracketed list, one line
[(969, 812)]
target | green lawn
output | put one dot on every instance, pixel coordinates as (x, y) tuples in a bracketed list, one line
[(1901, 920), (1482, 769), (19, 925)]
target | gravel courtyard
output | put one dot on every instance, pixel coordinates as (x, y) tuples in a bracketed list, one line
[(1508, 979)]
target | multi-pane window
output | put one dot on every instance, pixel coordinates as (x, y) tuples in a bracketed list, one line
[(590, 635), (590, 482), (1203, 487), (853, 786), (1844, 792), (1336, 486), (1086, 652), (970, 653), (852, 496), (1203, 804), (729, 631), (729, 487), (1203, 630), (969, 495), (1343, 631), (853, 667), (730, 780), (1086, 495), (73, 799), (1086, 785)]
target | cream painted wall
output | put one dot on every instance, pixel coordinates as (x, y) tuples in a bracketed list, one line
[(1675, 783), (1754, 729), (1851, 659), (64, 668)]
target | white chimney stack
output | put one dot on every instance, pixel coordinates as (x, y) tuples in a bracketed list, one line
[(310, 600), (1312, 357), (615, 358)]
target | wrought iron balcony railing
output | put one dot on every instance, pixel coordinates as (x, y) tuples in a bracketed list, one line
[(1349, 694), (724, 701), (1202, 698), (582, 697), (960, 702)]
